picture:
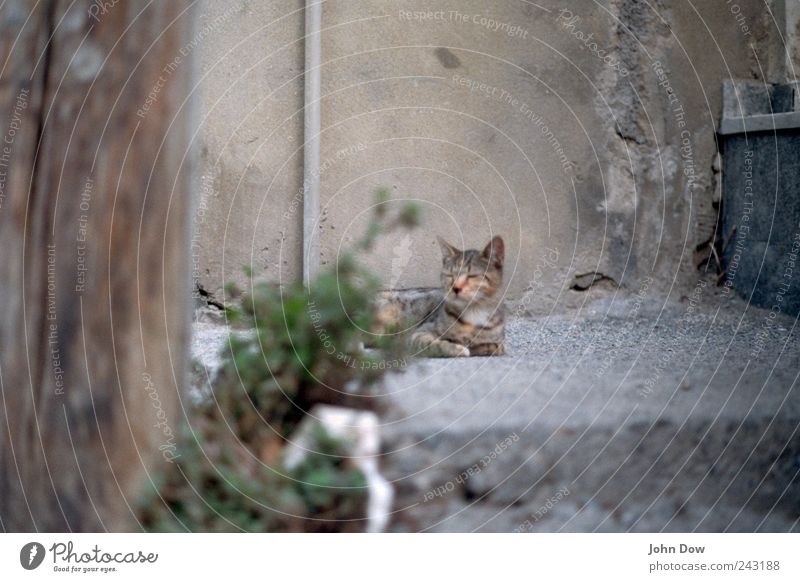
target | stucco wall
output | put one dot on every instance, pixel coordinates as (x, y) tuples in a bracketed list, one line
[(498, 117)]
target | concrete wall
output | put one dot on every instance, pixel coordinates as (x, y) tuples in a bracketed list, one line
[(251, 88), (582, 132)]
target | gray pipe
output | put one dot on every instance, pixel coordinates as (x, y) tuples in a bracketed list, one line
[(311, 137)]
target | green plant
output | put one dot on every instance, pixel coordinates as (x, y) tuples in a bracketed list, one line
[(294, 348)]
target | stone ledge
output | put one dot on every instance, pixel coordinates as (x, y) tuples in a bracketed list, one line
[(753, 123)]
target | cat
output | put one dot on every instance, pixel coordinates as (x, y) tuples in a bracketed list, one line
[(465, 317)]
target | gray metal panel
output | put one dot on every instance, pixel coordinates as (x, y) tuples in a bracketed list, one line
[(761, 217)]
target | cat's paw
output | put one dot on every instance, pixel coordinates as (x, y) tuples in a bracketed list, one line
[(488, 350), (445, 349), (458, 351)]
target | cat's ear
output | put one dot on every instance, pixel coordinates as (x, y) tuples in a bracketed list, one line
[(448, 250), (495, 251)]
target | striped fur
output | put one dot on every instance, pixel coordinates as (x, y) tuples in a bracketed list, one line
[(465, 317)]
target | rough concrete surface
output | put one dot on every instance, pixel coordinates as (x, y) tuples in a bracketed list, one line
[(497, 117), (623, 415)]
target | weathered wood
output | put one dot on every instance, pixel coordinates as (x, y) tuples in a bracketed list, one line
[(94, 213)]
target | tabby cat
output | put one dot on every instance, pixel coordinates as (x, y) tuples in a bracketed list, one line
[(466, 317)]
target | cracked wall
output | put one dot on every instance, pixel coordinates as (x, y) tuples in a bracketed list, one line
[(584, 133)]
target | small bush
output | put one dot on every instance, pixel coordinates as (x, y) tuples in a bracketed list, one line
[(294, 348)]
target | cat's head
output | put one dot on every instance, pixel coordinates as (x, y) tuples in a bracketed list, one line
[(472, 276)]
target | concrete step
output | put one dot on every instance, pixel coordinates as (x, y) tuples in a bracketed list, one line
[(670, 419), (620, 416)]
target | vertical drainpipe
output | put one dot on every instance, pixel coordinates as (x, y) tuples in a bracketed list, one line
[(311, 138)]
